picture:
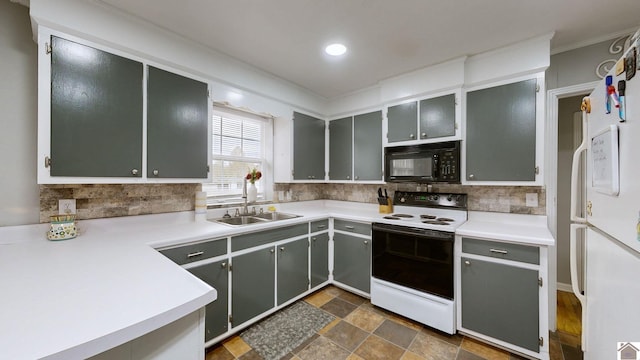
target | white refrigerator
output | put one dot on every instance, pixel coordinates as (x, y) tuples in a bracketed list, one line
[(611, 226)]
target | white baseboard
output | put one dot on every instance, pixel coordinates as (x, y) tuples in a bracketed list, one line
[(564, 287)]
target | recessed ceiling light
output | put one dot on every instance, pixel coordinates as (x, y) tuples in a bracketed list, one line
[(335, 49)]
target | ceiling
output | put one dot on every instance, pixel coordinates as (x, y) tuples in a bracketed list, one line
[(385, 38)]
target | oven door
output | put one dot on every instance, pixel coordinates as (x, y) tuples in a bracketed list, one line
[(420, 259)]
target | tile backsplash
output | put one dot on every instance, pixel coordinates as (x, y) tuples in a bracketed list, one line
[(111, 200), (504, 199)]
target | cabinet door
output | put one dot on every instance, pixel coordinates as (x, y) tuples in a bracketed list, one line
[(501, 133), (438, 117), (293, 269), (96, 112), (217, 312), (367, 152), (402, 122), (340, 149), (501, 301), (319, 259), (253, 284), (308, 147), (177, 126), (352, 261)]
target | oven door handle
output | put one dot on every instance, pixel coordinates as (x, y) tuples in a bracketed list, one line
[(395, 230)]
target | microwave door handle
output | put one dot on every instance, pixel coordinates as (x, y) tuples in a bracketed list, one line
[(436, 167)]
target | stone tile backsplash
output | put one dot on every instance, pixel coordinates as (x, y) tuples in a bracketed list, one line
[(504, 199), (111, 200)]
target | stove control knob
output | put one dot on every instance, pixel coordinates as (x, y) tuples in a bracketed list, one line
[(436, 197), (449, 198), (402, 199)]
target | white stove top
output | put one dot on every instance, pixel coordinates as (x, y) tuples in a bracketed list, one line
[(449, 219)]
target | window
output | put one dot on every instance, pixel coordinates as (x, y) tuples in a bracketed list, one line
[(239, 144)]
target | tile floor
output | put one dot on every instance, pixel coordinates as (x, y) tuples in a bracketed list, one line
[(362, 331)]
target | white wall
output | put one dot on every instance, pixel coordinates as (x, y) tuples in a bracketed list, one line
[(19, 194)]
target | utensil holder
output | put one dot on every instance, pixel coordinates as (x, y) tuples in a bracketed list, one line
[(386, 209), (62, 227)]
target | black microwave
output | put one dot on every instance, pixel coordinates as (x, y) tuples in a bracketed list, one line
[(424, 163)]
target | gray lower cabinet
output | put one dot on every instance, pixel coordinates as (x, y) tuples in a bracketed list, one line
[(367, 146), (402, 122), (96, 112), (501, 133), (438, 117), (293, 269), (253, 284), (176, 138), (352, 261), (308, 147), (500, 301), (340, 149), (319, 259), (217, 312)]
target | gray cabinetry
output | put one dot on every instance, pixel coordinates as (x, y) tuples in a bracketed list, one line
[(293, 273), (352, 257), (253, 284), (308, 147), (402, 122), (217, 312), (438, 117), (176, 138), (501, 301), (96, 112), (501, 133), (340, 149), (367, 146), (319, 259)]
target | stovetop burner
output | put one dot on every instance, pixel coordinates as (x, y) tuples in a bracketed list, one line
[(391, 217), (442, 212), (435, 222), (428, 217), (407, 216), (444, 219)]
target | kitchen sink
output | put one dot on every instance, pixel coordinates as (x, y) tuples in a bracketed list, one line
[(276, 216), (254, 219)]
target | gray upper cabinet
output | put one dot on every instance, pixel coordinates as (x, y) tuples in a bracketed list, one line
[(438, 117), (340, 149), (177, 123), (96, 112), (501, 133), (402, 122), (367, 146), (308, 147)]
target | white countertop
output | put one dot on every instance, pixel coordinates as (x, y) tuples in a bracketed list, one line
[(79, 297), (516, 228)]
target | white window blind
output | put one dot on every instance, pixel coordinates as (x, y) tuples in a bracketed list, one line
[(238, 145)]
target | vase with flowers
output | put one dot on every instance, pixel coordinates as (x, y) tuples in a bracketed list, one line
[(252, 192)]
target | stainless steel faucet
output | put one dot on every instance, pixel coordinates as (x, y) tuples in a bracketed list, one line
[(245, 209)]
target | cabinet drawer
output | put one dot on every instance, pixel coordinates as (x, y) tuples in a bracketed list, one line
[(352, 226), (196, 252), (501, 250), (264, 237), (320, 225)]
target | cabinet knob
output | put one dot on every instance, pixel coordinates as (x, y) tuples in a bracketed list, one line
[(282, 248), (467, 262), (348, 177), (272, 251), (357, 177), (223, 265), (471, 176), (314, 239), (134, 171), (366, 242), (412, 136), (155, 172), (424, 135)]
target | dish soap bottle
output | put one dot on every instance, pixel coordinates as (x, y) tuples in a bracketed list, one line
[(638, 228)]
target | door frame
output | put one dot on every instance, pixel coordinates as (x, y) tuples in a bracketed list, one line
[(551, 179)]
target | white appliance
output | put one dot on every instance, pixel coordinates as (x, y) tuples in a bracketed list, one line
[(611, 294), (413, 257)]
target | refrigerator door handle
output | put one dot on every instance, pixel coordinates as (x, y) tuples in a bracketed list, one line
[(575, 164), (573, 265)]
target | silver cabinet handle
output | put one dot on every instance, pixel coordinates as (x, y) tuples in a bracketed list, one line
[(155, 172), (471, 176), (223, 265), (467, 262), (348, 177), (366, 242), (197, 253), (134, 171), (412, 136), (498, 251), (357, 177), (322, 226), (314, 239), (282, 248), (349, 227), (272, 251), (424, 135)]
